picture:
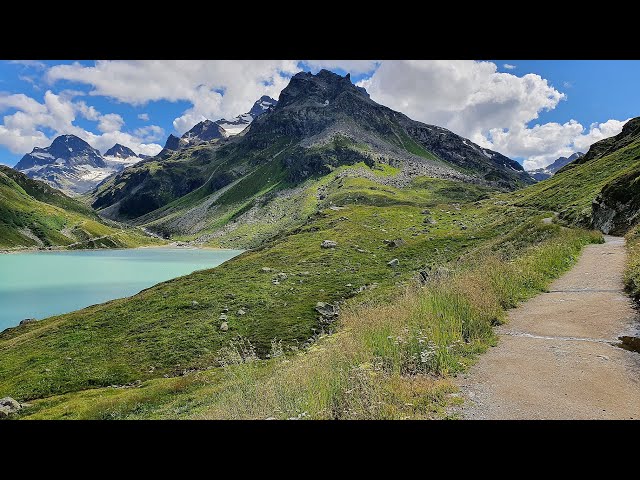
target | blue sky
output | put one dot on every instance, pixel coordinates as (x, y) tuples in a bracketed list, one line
[(533, 111)]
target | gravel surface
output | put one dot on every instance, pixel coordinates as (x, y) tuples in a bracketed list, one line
[(557, 357)]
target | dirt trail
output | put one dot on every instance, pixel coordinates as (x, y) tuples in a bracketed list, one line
[(557, 356)]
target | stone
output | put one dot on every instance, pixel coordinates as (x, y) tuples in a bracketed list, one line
[(282, 275), (265, 269), (194, 304), (225, 310), (359, 250), (27, 320), (394, 263), (395, 243), (223, 316), (328, 244), (8, 406), (327, 310), (429, 221), (424, 276), (240, 312), (224, 326), (426, 212), (463, 226)]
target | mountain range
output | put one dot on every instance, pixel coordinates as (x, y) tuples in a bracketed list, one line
[(545, 172), (207, 130), (407, 239), (321, 122), (73, 166)]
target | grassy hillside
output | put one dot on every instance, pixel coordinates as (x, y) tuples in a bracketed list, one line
[(389, 360), (32, 214), (608, 173), (271, 293)]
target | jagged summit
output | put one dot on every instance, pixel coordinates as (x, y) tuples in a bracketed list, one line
[(120, 151), (74, 166), (66, 150), (207, 130), (322, 88)]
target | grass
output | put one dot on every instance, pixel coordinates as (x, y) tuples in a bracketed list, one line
[(32, 214), (120, 341), (632, 271), (571, 191), (387, 361)]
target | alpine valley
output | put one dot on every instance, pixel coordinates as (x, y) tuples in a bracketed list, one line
[(380, 253)]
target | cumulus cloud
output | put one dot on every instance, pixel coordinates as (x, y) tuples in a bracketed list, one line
[(143, 116), (198, 82), (508, 66), (492, 108), (111, 122), (150, 133), (352, 66), (24, 129), (542, 144)]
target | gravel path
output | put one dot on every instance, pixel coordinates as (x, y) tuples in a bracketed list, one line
[(557, 357)]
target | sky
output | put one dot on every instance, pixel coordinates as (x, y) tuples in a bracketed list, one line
[(531, 111)]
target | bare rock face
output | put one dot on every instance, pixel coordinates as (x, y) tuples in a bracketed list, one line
[(8, 406), (617, 206)]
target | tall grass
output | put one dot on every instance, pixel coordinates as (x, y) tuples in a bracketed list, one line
[(632, 271), (387, 360), (395, 361)]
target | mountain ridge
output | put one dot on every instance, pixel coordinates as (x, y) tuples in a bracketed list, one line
[(72, 165), (321, 122)]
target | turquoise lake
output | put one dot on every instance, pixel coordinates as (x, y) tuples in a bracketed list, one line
[(42, 284)]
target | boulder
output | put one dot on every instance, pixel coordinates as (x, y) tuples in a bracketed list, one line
[(328, 311), (394, 263), (265, 269), (395, 243), (223, 317), (240, 312), (194, 304), (27, 320), (224, 326), (328, 244), (426, 212), (8, 406)]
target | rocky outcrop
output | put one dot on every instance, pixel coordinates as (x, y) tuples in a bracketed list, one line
[(617, 207), (8, 406)]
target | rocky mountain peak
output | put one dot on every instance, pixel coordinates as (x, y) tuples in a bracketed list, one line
[(66, 150), (262, 105), (322, 88), (120, 151)]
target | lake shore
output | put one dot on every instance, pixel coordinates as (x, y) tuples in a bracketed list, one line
[(180, 245)]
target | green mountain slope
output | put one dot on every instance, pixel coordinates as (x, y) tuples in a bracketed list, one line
[(32, 214), (322, 122), (599, 190)]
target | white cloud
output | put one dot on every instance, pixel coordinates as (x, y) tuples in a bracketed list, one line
[(508, 66), (352, 66), (143, 116), (198, 82), (566, 84), (23, 129), (491, 108), (150, 133), (542, 144), (111, 122), (29, 63), (468, 97)]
